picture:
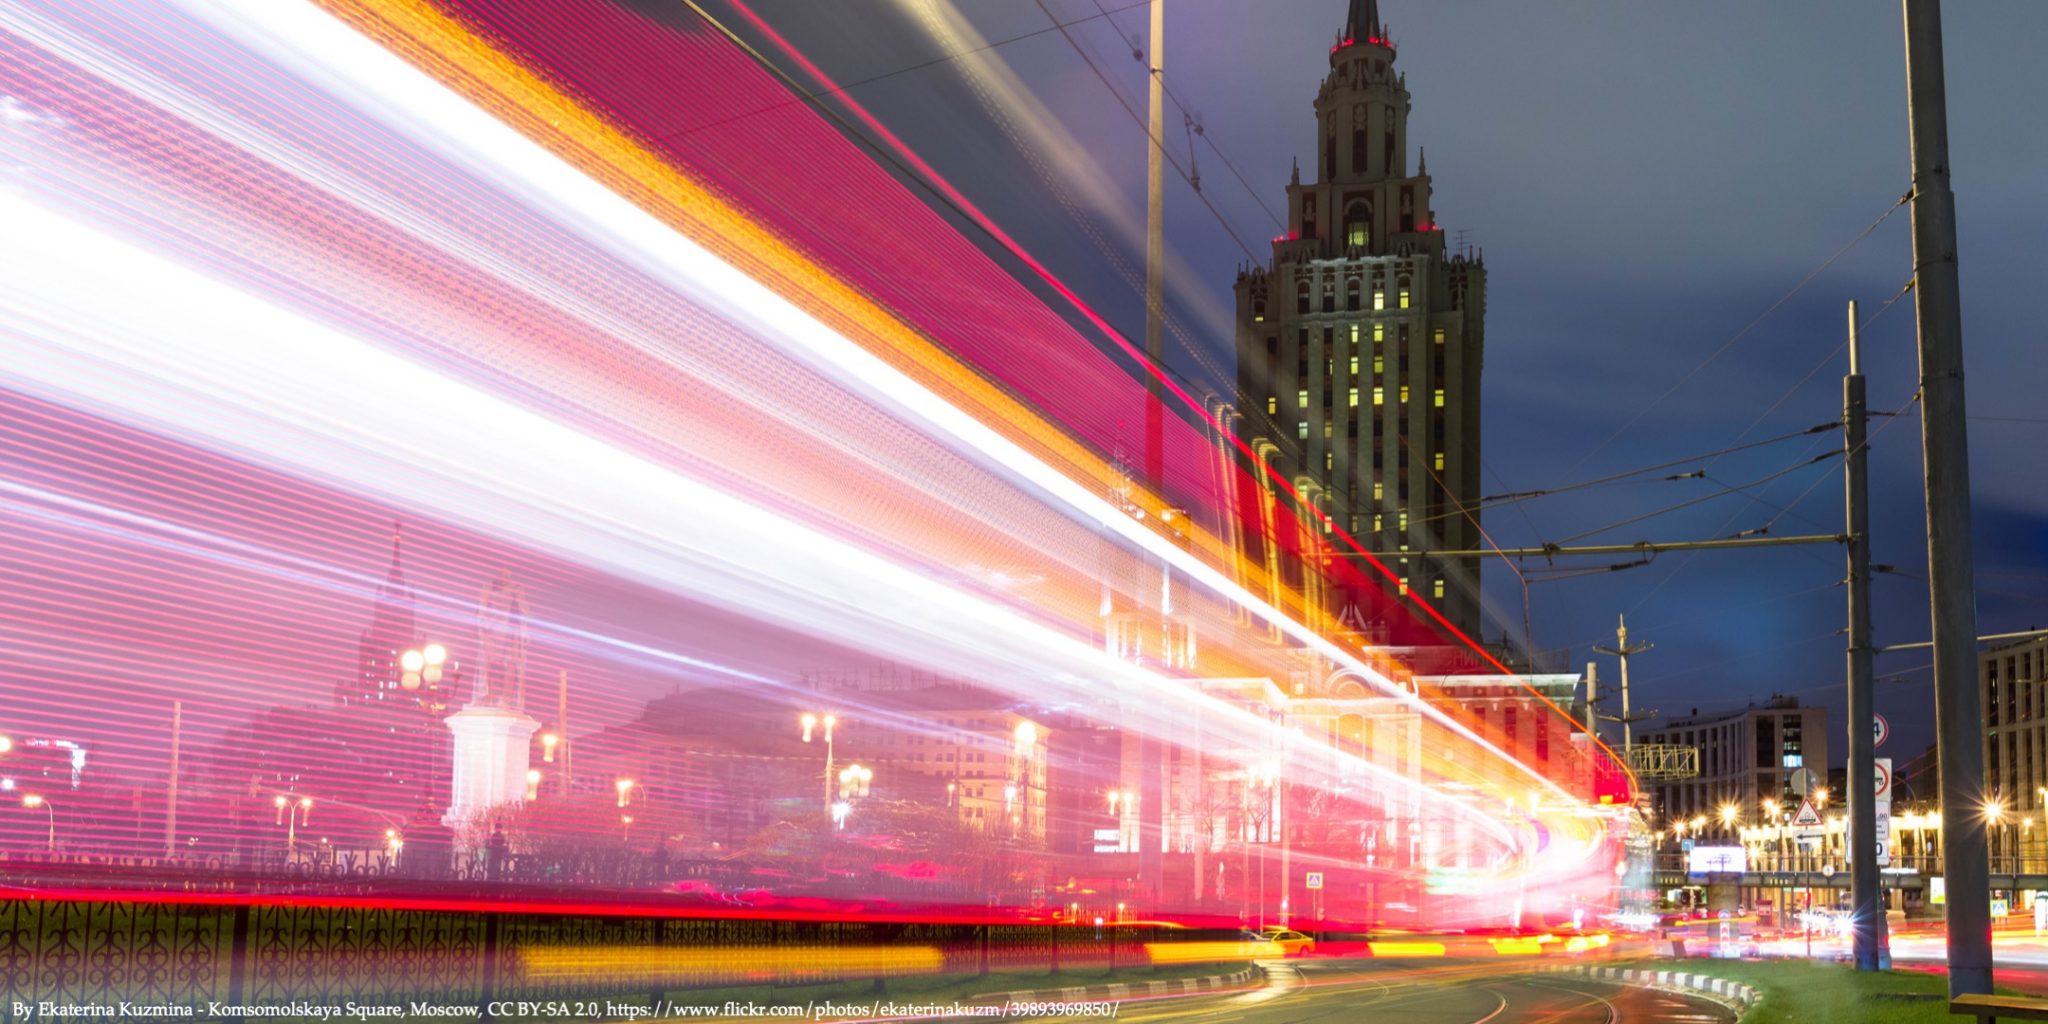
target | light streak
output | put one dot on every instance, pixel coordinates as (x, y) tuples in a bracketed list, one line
[(645, 446)]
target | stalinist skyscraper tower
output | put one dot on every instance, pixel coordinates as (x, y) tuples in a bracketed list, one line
[(1359, 347)]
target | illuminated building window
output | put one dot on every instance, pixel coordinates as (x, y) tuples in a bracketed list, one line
[(1379, 396), (1439, 335), (1301, 430), (1379, 490), (1272, 404), (1437, 399), (1329, 462), (1301, 399), (1328, 427), (1354, 398), (1403, 520), (1379, 363), (1404, 586), (1404, 298), (1379, 300), (1354, 334), (1437, 588), (1354, 364), (1404, 392), (1439, 462), (1379, 333), (1379, 523)]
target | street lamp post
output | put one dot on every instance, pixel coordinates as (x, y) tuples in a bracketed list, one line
[(291, 814), (33, 801), (811, 722), (422, 665)]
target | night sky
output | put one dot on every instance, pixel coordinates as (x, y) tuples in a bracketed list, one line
[(1645, 180)]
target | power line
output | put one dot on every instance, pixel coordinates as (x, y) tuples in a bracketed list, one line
[(1746, 328), (1513, 497), (1755, 499), (1165, 153), (1725, 491), (1186, 112), (803, 96)]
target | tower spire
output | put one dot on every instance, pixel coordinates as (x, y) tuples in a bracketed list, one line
[(1363, 21)]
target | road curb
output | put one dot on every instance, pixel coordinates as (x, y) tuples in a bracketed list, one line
[(1127, 990), (1734, 993)]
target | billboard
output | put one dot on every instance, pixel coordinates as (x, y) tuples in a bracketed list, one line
[(1708, 860)]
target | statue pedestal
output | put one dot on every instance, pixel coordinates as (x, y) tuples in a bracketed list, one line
[(492, 746)]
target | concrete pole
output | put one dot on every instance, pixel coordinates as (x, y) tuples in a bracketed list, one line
[(1958, 709), (1866, 913)]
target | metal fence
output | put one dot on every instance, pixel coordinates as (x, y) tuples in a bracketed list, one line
[(193, 953)]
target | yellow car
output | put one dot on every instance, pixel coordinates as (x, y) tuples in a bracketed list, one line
[(1291, 942)]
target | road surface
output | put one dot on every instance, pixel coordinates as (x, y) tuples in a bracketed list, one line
[(1443, 992)]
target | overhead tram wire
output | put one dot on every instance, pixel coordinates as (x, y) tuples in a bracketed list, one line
[(1746, 328), (1165, 151), (1187, 112), (805, 96), (814, 98), (902, 169), (1726, 491), (1882, 309), (1514, 497)]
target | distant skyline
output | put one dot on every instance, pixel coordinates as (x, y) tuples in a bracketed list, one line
[(1645, 182)]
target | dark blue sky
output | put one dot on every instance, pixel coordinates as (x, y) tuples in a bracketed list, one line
[(1645, 180)]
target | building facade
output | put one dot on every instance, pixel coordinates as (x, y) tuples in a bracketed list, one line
[(1746, 758), (1359, 347), (2015, 742)]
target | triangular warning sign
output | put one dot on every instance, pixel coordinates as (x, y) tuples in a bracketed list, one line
[(1807, 816)]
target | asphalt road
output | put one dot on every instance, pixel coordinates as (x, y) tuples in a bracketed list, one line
[(1442, 992)]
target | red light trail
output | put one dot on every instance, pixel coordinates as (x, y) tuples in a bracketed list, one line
[(727, 425)]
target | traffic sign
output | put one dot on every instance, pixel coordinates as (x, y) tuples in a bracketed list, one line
[(1315, 879), (1880, 729), (1884, 781), (1883, 820), (1806, 825)]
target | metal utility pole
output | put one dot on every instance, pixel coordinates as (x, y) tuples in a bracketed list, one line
[(1593, 701), (1622, 650), (1866, 913), (1958, 711), (1155, 252), (1152, 805)]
